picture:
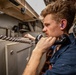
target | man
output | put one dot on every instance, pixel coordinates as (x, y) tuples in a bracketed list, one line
[(57, 20)]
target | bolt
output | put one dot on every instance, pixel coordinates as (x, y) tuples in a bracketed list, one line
[(11, 52)]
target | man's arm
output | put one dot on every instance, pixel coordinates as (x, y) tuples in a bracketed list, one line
[(29, 36), (42, 46), (33, 63)]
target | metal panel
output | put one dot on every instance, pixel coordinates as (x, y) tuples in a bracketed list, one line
[(16, 57), (2, 57), (43, 59)]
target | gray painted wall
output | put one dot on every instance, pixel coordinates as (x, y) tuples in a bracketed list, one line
[(7, 22)]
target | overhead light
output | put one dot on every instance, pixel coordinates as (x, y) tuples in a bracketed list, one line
[(1, 12), (23, 10)]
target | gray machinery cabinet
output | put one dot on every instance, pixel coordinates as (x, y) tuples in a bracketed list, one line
[(14, 57), (17, 56), (2, 57)]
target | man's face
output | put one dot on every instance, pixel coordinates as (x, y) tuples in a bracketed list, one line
[(51, 27)]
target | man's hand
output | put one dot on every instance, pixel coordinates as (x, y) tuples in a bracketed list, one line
[(44, 44)]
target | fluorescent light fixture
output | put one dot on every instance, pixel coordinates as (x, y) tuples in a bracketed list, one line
[(1, 12)]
